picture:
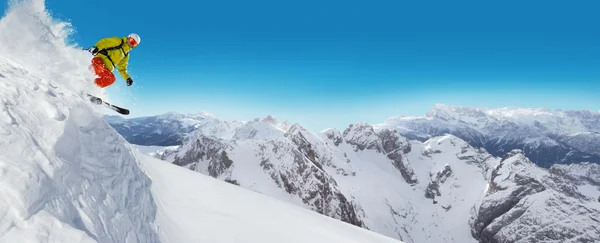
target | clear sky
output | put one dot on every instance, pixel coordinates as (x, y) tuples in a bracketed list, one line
[(331, 63)]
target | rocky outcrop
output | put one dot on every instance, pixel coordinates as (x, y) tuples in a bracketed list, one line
[(296, 136), (362, 136), (433, 189), (527, 203), (334, 135), (395, 146), (205, 150), (388, 142), (304, 178)]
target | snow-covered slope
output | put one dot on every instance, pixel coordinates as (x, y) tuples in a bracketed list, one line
[(546, 136), (65, 174), (197, 208)]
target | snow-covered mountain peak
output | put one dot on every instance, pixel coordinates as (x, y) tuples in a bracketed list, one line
[(170, 114), (361, 135), (296, 129), (515, 165), (474, 117), (270, 119), (333, 134), (359, 129), (446, 141), (305, 138), (178, 116), (258, 129), (204, 114), (284, 126)]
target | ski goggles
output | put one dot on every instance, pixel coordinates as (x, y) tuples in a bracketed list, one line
[(132, 42)]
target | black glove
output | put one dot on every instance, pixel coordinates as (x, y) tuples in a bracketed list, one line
[(129, 82), (93, 50)]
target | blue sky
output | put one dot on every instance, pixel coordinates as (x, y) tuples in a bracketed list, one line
[(331, 63)]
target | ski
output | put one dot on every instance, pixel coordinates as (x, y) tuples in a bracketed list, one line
[(99, 101)]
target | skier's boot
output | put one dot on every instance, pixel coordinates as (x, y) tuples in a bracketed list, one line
[(96, 100)]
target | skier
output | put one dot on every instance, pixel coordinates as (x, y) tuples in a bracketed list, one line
[(110, 53)]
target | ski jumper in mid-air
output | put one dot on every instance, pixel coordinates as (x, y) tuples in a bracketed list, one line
[(110, 53)]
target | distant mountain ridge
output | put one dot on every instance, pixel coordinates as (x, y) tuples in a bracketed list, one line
[(168, 129), (546, 136)]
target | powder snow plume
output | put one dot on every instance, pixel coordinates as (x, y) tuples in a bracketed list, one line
[(35, 41)]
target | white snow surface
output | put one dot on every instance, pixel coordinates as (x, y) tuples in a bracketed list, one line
[(67, 176), (198, 208)]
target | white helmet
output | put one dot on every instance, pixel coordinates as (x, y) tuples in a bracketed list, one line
[(135, 37)]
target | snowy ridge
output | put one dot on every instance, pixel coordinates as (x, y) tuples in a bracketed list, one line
[(66, 176)]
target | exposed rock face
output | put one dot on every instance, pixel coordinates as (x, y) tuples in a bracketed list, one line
[(290, 162), (526, 203), (209, 149), (433, 189), (396, 147), (334, 135), (304, 179), (362, 136), (389, 142)]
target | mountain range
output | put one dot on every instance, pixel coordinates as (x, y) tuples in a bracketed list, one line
[(547, 137), (400, 182)]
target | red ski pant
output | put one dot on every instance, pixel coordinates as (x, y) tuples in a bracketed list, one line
[(105, 76)]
